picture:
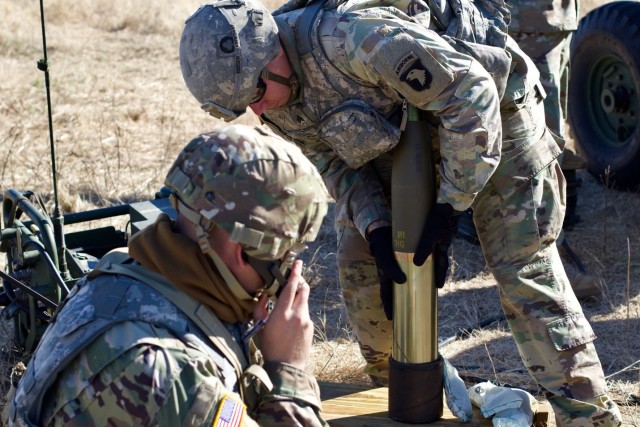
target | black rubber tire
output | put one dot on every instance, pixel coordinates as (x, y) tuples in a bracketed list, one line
[(604, 92)]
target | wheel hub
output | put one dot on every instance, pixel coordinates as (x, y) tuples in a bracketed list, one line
[(614, 100)]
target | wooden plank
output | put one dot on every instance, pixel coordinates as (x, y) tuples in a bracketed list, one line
[(349, 405)]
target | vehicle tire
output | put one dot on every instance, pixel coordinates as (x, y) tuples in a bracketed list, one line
[(604, 92)]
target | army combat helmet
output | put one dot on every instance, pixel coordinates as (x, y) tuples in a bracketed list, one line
[(260, 189), (224, 48)]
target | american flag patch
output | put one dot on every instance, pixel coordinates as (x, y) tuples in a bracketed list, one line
[(230, 412)]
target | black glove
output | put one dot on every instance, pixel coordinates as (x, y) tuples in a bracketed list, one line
[(386, 294), (438, 233), (389, 271)]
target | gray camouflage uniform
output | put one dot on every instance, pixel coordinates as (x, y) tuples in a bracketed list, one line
[(355, 68)]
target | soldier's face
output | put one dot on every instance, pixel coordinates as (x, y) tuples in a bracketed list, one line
[(276, 94)]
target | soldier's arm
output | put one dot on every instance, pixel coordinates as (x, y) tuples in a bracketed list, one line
[(285, 342), (358, 193), (295, 396), (426, 71), (359, 196)]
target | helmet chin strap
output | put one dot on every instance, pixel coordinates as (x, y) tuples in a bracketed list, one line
[(291, 81), (202, 225), (269, 271), (230, 279), (276, 272)]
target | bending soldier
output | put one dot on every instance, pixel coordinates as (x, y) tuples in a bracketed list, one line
[(333, 76)]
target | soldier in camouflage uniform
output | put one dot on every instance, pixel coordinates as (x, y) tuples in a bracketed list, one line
[(335, 77), (543, 30), (158, 336)]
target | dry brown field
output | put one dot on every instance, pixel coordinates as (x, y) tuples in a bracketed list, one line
[(121, 113)]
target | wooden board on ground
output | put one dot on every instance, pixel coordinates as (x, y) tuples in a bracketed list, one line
[(348, 405)]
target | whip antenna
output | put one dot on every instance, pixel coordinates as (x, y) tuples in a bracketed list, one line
[(43, 65)]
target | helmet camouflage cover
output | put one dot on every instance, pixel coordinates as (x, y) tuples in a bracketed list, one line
[(223, 48), (259, 188)]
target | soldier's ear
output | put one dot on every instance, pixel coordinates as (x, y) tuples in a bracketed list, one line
[(241, 257)]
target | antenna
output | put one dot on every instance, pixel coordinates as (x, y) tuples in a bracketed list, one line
[(57, 218)]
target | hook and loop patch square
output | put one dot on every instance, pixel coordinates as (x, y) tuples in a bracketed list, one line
[(230, 412)]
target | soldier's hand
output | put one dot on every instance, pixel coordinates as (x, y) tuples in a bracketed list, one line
[(389, 270), (381, 248), (386, 294), (288, 334), (438, 233)]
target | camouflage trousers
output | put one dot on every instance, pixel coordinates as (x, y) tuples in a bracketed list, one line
[(517, 223), (550, 53)]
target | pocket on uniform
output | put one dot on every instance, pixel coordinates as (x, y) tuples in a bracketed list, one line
[(528, 200), (357, 132), (570, 331), (518, 168)]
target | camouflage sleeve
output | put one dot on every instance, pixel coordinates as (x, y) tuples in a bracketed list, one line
[(424, 69), (295, 396), (359, 196), (155, 379)]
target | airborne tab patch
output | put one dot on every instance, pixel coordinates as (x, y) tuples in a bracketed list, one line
[(230, 412), (411, 71)]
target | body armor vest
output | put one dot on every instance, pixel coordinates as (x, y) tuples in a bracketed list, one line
[(358, 120), (333, 108)]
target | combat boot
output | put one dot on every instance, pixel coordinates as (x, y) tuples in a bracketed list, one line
[(587, 285), (569, 164), (571, 160), (584, 285)]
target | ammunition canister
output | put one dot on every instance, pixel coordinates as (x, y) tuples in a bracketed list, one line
[(416, 370)]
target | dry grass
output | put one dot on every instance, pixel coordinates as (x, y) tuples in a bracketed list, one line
[(122, 113)]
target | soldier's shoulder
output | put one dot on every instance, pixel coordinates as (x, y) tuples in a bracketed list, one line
[(134, 364)]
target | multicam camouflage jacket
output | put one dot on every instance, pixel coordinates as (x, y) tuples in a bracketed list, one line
[(126, 351), (358, 63)]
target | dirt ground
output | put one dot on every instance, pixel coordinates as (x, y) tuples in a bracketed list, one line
[(121, 114)]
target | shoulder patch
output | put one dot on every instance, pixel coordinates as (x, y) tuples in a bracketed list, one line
[(230, 412), (415, 65), (411, 71)]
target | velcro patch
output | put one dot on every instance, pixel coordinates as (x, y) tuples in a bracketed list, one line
[(411, 71), (416, 67), (230, 412), (227, 45)]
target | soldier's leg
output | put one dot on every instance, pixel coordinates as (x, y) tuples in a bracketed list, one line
[(550, 53), (361, 292), (517, 226)]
